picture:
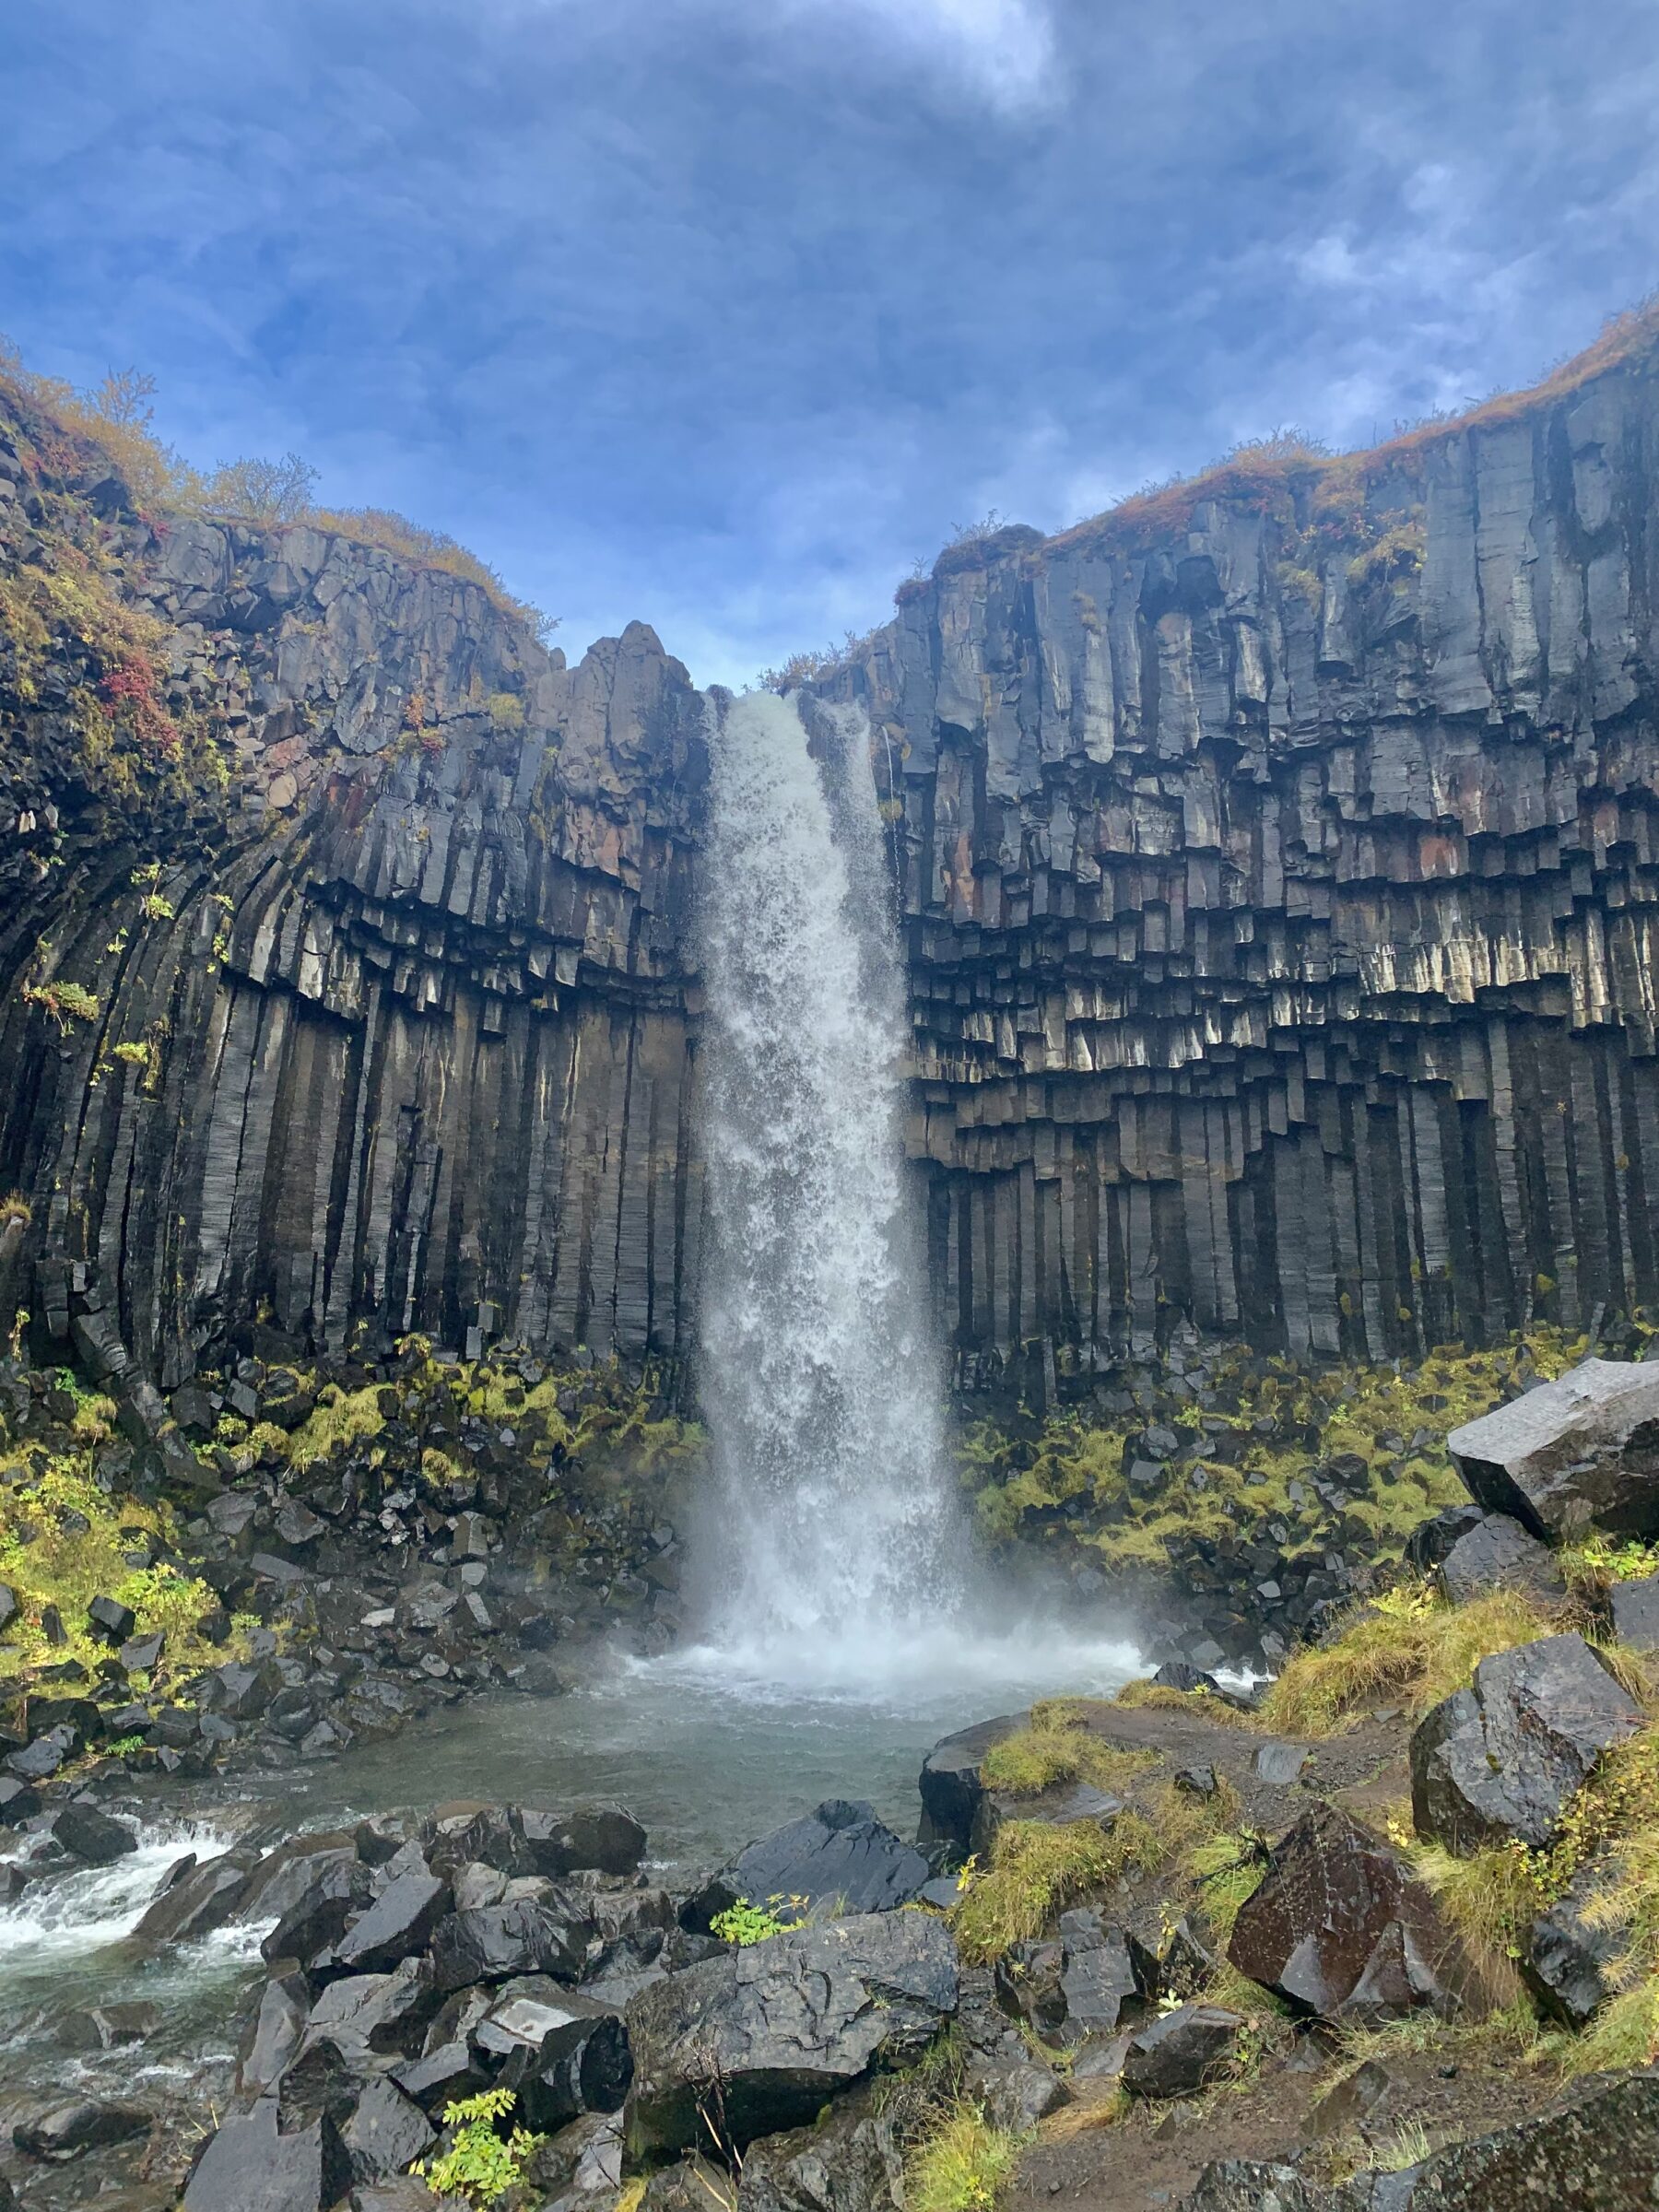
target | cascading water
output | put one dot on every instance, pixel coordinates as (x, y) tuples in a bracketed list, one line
[(819, 1373)]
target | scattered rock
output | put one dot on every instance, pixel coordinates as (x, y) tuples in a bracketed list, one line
[(1580, 1451), (496, 1942), (951, 1785), (1497, 1553), (780, 2026), (386, 2132), (1567, 1962), (107, 2027), (1503, 1757), (1339, 1928), (1106, 1974), (1431, 1540), (1178, 2053), (91, 1836), (251, 2166), (840, 1852), (85, 2124), (399, 1923), (1280, 1764), (1635, 1607), (600, 1838), (113, 1622), (562, 2053)]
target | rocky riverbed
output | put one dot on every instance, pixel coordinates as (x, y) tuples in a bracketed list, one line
[(1381, 1937)]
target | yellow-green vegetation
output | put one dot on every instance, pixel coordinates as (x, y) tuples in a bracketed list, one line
[(745, 1924), (962, 2162), (62, 1544), (481, 2164), (1226, 1870), (339, 1417), (1162, 1697), (1594, 1563), (1392, 1420), (66, 1002), (1037, 1868), (632, 2194), (117, 416), (1409, 1647), (1057, 1747)]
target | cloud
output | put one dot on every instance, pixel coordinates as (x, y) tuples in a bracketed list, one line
[(718, 312)]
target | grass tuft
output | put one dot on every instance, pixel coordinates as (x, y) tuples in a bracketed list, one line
[(962, 2163)]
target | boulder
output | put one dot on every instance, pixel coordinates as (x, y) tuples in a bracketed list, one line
[(775, 2029), (839, 1856), (1030, 1987), (193, 1900), (852, 2161), (1431, 1540), (601, 1839), (17, 1801), (252, 2165), (107, 2027), (1339, 1928), (1497, 1553), (442, 2076), (1182, 2051), (1596, 2150), (1635, 1607), (386, 2132), (1566, 1961), (334, 1885), (1503, 1757), (489, 1835), (385, 2015), (106, 1617), (273, 2036), (951, 1785), (1277, 1764), (562, 2053), (82, 2123), (581, 2163), (1062, 1805), (1107, 1975), (1571, 1454), (91, 1836), (398, 1925), (527, 1935)]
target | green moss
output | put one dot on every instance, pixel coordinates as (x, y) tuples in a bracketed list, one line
[(1057, 1747), (339, 1417), (962, 2163)]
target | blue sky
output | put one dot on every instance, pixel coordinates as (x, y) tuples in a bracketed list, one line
[(722, 313)]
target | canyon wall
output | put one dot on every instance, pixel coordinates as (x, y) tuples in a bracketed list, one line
[(1275, 856), (394, 1035), (1277, 861)]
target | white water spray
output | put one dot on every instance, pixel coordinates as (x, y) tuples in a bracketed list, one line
[(819, 1363)]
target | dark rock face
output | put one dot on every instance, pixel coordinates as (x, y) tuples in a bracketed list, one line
[(853, 2163), (1635, 1610), (951, 1785), (1499, 1554), (1106, 1975), (495, 1942), (1597, 2150), (251, 2166), (1575, 1452), (775, 2029), (1503, 1757), (841, 1851), (68, 2131), (1176, 2055), (1567, 1962), (1339, 1928), (562, 2053)]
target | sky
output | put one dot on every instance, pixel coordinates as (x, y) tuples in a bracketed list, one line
[(723, 315)]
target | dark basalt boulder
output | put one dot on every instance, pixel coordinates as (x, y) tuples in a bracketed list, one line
[(442, 2076), (398, 1925), (250, 2165), (951, 1785), (386, 2132), (1595, 2150), (1338, 1927), (336, 1886), (385, 2015), (1634, 1608), (599, 1839), (1107, 1976), (1031, 1987), (1567, 1959), (1431, 1540), (1499, 1554), (196, 1900), (852, 2161), (1062, 1805), (272, 2035), (582, 2164), (84, 2123), (841, 1855), (1572, 1454), (91, 1836), (1503, 1758), (1179, 2054), (777, 2028), (562, 2053), (526, 1936)]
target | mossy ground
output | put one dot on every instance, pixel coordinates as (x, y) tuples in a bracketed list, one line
[(1254, 1437)]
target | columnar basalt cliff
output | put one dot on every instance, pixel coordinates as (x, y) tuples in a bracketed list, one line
[(1277, 858), (394, 1036)]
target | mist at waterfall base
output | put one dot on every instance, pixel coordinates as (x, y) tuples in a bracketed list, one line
[(833, 1557)]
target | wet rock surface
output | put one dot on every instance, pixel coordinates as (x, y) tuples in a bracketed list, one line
[(1503, 1759), (1579, 1452)]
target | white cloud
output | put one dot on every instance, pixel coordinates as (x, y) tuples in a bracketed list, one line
[(1003, 50)]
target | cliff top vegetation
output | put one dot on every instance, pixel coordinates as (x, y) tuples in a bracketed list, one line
[(116, 417)]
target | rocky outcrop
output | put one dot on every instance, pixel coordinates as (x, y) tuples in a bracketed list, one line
[(1276, 857), (388, 1034)]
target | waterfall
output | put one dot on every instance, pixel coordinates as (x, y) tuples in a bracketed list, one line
[(819, 1372)]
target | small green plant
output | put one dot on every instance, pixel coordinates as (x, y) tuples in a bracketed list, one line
[(744, 1923), (64, 1002), (480, 2165), (154, 908), (125, 1746)]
